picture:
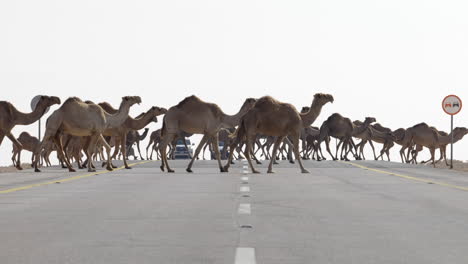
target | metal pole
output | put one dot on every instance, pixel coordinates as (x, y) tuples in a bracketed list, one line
[(39, 133), (451, 143)]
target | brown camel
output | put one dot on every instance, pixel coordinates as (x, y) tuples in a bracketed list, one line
[(270, 117), (29, 143), (77, 118), (403, 138), (424, 135), (10, 117), (342, 128), (133, 137), (376, 133), (444, 140), (195, 116), (155, 138)]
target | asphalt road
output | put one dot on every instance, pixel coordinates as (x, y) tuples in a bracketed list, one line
[(364, 212)]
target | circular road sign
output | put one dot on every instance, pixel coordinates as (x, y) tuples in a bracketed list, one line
[(452, 104), (35, 101)]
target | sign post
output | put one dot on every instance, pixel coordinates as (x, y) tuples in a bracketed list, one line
[(34, 103), (451, 105)]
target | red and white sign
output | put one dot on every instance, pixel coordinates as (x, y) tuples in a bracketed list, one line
[(452, 104)]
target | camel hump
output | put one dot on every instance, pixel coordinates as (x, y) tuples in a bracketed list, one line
[(7, 107), (335, 116), (24, 134), (421, 125), (72, 100), (187, 100)]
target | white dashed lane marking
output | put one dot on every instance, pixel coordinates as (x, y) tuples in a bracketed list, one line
[(244, 208), (245, 189), (245, 256)]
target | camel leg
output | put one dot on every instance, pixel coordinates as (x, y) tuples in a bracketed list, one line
[(327, 144), (90, 151), (13, 157), (166, 139), (197, 151), (432, 149), (106, 145), (148, 146), (18, 161), (295, 143), (215, 143), (204, 149), (273, 154), (18, 146), (123, 141), (248, 148), (58, 142)]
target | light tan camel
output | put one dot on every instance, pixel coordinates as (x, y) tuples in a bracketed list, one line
[(120, 132), (342, 128), (29, 143), (77, 118), (195, 116), (270, 117), (10, 117), (444, 140)]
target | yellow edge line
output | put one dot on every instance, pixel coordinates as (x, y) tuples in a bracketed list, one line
[(67, 179), (409, 177)]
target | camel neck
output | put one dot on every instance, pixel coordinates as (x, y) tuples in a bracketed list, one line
[(310, 117), (139, 123), (143, 136), (231, 121), (361, 128), (29, 118), (117, 119), (445, 140)]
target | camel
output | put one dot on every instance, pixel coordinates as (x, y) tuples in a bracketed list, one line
[(29, 143), (340, 127), (120, 132), (424, 135), (155, 138), (270, 117), (133, 137), (195, 116), (444, 140), (77, 118), (10, 117), (403, 138), (376, 133)]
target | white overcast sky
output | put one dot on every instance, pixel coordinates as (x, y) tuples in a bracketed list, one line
[(393, 60)]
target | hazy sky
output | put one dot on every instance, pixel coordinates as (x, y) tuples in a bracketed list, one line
[(393, 60)]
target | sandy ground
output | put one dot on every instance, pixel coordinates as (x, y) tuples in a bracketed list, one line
[(13, 169)]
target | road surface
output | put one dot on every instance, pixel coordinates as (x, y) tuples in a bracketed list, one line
[(358, 212)]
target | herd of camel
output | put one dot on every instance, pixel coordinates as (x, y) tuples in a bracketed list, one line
[(78, 127)]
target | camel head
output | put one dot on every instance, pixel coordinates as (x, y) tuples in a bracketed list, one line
[(49, 100), (459, 132), (157, 111), (323, 98), (370, 120), (249, 103), (131, 100)]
